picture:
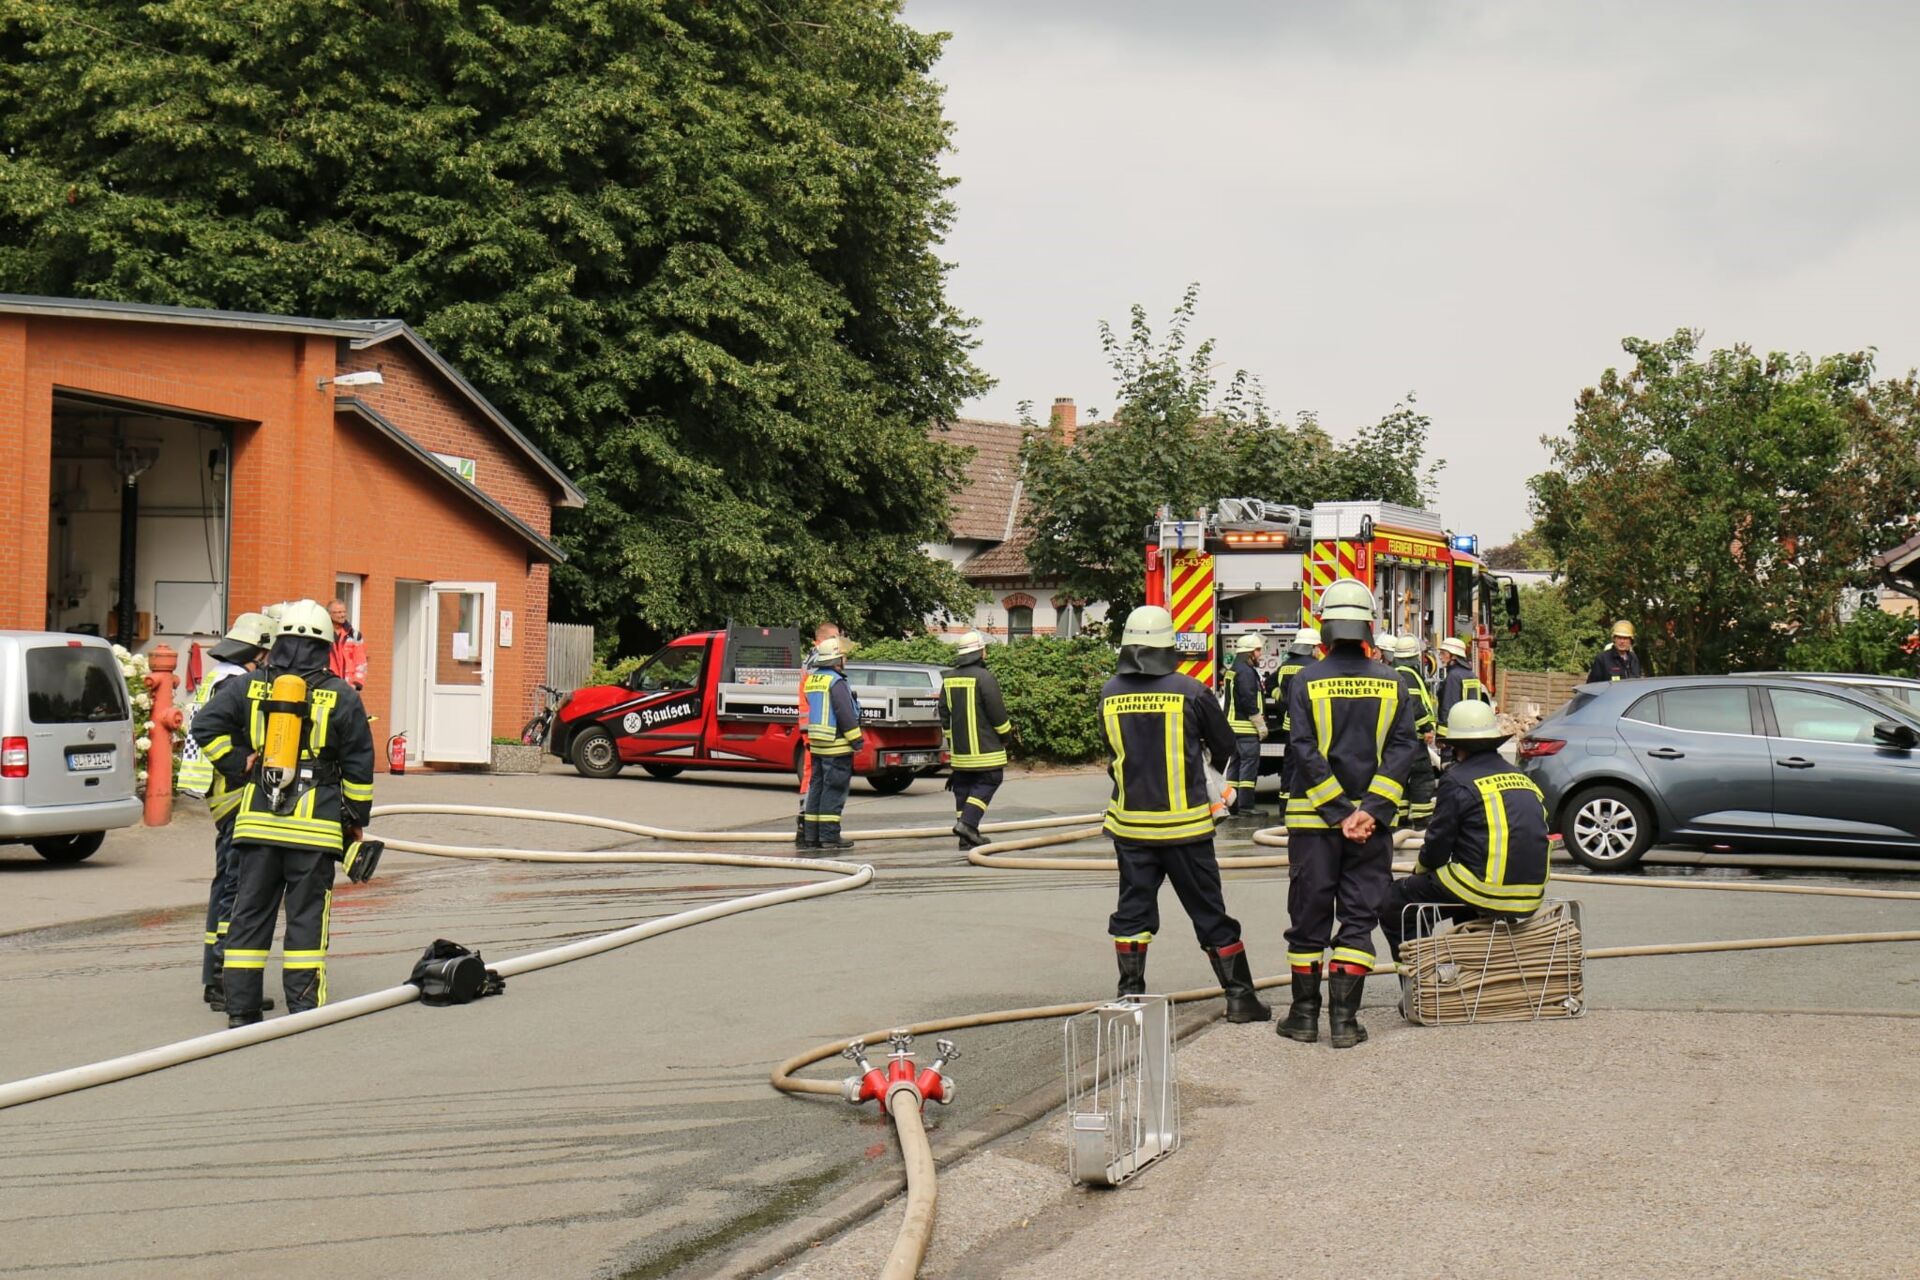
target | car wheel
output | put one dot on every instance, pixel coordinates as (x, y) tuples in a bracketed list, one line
[(594, 753), (892, 782), (1608, 829), (663, 771), (70, 848)]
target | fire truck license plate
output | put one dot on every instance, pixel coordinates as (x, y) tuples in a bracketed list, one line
[(1191, 642), (86, 761), (918, 757)]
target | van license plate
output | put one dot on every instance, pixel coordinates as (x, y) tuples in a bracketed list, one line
[(89, 761), (918, 757)]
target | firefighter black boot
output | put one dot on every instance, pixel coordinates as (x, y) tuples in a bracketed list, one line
[(800, 840), (216, 997), (1302, 1022), (1343, 1013), (1236, 981), (1132, 957), (970, 837), (827, 835)]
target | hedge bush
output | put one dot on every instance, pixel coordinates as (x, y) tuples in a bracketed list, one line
[(1052, 688)]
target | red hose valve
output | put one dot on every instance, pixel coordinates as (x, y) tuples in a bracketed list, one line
[(930, 1082)]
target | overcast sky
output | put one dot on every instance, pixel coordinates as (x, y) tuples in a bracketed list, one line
[(1471, 201)]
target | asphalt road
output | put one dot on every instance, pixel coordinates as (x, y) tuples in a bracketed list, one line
[(611, 1117)]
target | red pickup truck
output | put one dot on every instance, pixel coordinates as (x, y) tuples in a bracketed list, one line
[(731, 700)]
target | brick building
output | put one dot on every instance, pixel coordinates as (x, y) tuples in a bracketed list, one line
[(168, 467)]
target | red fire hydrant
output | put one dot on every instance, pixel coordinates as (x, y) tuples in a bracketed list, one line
[(166, 722), (874, 1084)]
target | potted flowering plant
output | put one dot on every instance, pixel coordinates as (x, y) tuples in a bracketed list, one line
[(134, 669)]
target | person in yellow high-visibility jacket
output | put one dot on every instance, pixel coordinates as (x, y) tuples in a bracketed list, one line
[(297, 817), (244, 646)]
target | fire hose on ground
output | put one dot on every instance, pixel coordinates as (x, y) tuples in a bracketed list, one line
[(902, 1092)]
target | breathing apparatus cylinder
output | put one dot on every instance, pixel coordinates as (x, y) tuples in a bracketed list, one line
[(280, 753)]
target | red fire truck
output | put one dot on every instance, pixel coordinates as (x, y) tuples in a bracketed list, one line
[(731, 700), (1245, 565)]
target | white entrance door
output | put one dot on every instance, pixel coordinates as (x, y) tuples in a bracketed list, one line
[(459, 725)]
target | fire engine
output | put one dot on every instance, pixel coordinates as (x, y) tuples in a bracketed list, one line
[(1247, 565)]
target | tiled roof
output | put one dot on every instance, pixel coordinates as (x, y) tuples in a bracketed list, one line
[(984, 510), (1006, 561)]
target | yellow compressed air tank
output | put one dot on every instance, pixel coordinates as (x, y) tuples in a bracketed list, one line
[(280, 753)]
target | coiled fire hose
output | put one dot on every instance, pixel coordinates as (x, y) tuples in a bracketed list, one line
[(916, 1230)]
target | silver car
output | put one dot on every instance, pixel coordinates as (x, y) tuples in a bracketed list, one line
[(1755, 761), (66, 744)]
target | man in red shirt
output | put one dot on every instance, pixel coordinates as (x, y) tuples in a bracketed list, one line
[(348, 660)]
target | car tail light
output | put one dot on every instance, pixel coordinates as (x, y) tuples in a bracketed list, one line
[(13, 757), (1534, 748)]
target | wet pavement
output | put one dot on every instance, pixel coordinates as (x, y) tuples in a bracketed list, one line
[(611, 1117)]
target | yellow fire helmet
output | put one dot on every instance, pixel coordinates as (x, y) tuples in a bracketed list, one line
[(1455, 646), (1623, 628), (972, 642)]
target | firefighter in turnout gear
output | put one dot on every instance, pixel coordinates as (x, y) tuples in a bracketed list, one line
[(1486, 848), (1617, 661), (1302, 649), (244, 645), (1163, 728), (1421, 782), (295, 739), (1241, 693), (1457, 682), (1351, 747), (975, 717), (833, 735)]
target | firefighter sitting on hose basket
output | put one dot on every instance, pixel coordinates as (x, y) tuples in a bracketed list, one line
[(295, 737), (1486, 848), (1162, 727), (1350, 750)]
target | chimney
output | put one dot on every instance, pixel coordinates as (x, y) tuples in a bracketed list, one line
[(1066, 418)]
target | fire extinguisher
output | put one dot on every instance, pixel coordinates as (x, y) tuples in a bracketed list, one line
[(397, 752)]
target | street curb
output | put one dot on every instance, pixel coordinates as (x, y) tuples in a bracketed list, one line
[(854, 1206)]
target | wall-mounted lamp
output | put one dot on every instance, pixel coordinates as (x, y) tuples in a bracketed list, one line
[(365, 378)]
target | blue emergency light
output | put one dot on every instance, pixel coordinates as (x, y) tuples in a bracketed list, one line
[(1467, 542)]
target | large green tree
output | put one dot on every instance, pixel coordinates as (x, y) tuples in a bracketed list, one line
[(1726, 501), (1181, 439), (691, 247)]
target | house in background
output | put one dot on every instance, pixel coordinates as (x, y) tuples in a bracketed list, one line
[(989, 543), (1899, 571)]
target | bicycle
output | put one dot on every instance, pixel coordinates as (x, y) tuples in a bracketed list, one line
[(537, 730)]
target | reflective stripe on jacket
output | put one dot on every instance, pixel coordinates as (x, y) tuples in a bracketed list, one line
[(334, 785), (833, 716), (197, 776), (974, 715), (1416, 685), (1282, 686), (1161, 731), (1352, 741), (1459, 684), (1242, 694), (1487, 841)]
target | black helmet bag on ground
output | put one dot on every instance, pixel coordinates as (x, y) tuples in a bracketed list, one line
[(448, 973)]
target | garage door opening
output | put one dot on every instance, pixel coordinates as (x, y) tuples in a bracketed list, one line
[(138, 534)]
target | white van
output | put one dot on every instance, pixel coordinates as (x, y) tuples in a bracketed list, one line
[(66, 744)]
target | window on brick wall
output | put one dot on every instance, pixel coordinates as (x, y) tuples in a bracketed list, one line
[(1019, 622)]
